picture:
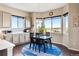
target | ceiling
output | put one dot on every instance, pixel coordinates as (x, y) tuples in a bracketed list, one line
[(35, 7)]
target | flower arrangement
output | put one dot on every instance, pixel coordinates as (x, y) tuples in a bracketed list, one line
[(42, 29)]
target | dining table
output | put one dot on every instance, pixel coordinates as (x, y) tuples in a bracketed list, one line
[(44, 40)]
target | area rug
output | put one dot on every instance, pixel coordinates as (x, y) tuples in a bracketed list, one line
[(50, 51)]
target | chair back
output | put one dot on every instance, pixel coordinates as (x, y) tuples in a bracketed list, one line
[(47, 33), (39, 34), (31, 37)]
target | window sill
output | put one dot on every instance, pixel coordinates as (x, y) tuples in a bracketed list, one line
[(57, 33)]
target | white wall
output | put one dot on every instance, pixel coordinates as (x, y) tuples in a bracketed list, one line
[(73, 30)]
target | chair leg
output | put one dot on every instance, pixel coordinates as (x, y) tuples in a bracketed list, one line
[(44, 48), (30, 46), (39, 48), (50, 43), (35, 47)]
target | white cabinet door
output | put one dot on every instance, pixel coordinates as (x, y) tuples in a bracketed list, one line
[(27, 37), (0, 19), (9, 37), (15, 38), (22, 38), (6, 19)]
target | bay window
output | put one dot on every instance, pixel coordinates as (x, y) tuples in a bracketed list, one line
[(56, 24), (47, 22), (38, 24)]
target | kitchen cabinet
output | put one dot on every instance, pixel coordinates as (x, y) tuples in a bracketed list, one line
[(6, 19), (22, 38), (27, 39), (0, 19), (16, 39), (9, 37)]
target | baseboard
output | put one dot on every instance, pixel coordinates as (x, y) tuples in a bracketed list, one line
[(72, 49)]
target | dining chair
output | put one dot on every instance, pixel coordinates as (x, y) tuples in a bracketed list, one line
[(32, 41), (48, 41), (39, 42), (47, 33)]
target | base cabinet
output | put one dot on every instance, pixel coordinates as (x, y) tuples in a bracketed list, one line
[(18, 38), (9, 37), (27, 39), (15, 38), (22, 38)]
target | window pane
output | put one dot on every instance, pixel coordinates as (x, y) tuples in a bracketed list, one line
[(56, 23), (47, 23), (38, 24), (17, 22), (14, 21), (65, 24), (27, 23), (21, 22)]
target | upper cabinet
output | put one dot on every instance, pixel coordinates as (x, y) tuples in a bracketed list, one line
[(6, 19), (1, 19)]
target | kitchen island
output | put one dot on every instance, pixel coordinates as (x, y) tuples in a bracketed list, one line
[(7, 45)]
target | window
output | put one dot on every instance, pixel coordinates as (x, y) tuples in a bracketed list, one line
[(14, 22), (21, 22), (51, 24), (38, 24), (27, 23), (65, 24), (47, 23), (56, 24), (17, 22)]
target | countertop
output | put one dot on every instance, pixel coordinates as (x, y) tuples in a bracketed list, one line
[(5, 44)]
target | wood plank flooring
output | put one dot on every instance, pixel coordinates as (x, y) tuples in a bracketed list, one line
[(66, 52)]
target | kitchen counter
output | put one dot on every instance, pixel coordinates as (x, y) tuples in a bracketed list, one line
[(7, 45), (18, 33)]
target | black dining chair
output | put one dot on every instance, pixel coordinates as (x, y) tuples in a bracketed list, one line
[(39, 34), (48, 41), (32, 41), (39, 42)]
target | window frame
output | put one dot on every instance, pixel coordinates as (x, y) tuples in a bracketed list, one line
[(60, 24), (66, 14), (18, 22)]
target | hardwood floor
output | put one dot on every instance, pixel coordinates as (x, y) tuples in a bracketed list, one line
[(65, 51)]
